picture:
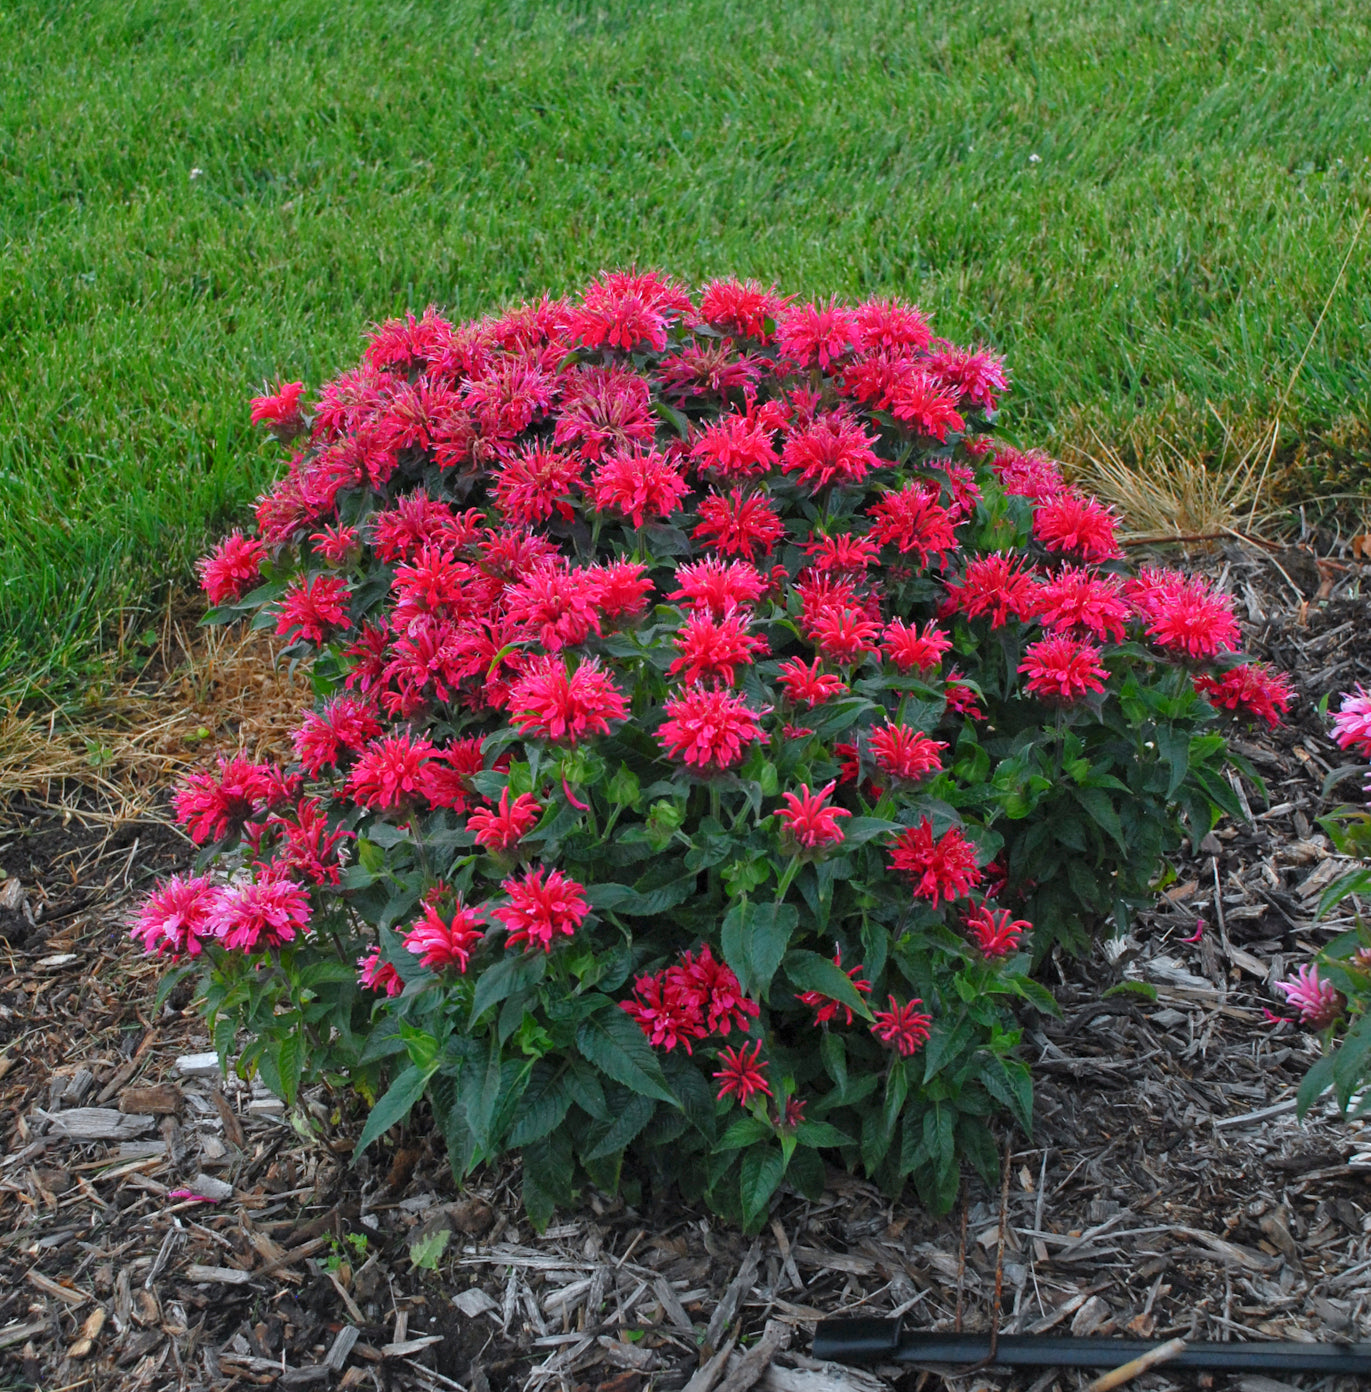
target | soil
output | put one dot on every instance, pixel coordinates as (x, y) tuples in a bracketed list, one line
[(206, 1239)]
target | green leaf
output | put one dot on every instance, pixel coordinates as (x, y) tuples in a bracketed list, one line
[(616, 1046), (857, 831), (808, 971), (979, 1145), (1036, 994), (1174, 748), (762, 1171), (394, 1106), (427, 1251), (755, 938), (547, 1166), (542, 1107), (806, 1172), (632, 1117), (1316, 1082), (1354, 882), (822, 1133), (1008, 1081), (1145, 989), (1350, 1060), (508, 975), (290, 1060), (746, 1130)]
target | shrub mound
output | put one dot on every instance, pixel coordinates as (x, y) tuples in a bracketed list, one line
[(707, 708)]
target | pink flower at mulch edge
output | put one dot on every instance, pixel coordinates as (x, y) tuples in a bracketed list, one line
[(540, 910), (743, 1073), (1319, 1002), (904, 1028), (175, 918), (1352, 722), (809, 819), (260, 915)]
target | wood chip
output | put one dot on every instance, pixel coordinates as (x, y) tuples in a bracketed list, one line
[(100, 1124), (749, 1369), (50, 1287), (158, 1098), (222, 1275), (90, 1331)]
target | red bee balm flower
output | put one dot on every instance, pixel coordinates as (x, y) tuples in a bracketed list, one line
[(280, 411), (538, 910), (904, 1028), (944, 869), (910, 650), (259, 915), (743, 1072), (714, 649), (232, 568), (440, 942), (1077, 525), (550, 703), (640, 486), (831, 449), (739, 525), (378, 975), (808, 819), (717, 586), (805, 685), (996, 932), (499, 830), (389, 771), (906, 753), (1253, 689), (1186, 616), (1062, 669), (708, 729), (997, 585), (311, 607)]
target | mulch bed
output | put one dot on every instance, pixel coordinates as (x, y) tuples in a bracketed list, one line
[(161, 1227)]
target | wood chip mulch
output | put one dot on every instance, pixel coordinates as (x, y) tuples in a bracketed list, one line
[(161, 1227)]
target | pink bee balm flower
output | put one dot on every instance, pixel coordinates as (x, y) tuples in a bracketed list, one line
[(739, 524), (1076, 599), (1319, 1002), (941, 869), (499, 829), (440, 941), (536, 483), (175, 917), (718, 587), (805, 685), (735, 447), (280, 411), (621, 588), (548, 702), (260, 915), (998, 585), (232, 568), (378, 975), (1184, 615), (389, 772), (741, 308), (925, 404), (809, 820), (664, 1013), (1077, 525), (641, 487), (310, 608), (343, 726), (844, 551), (716, 991), (1061, 668), (210, 807), (832, 448), (912, 650), (713, 649), (743, 1072), (843, 635), (1252, 689), (905, 1028), (540, 910), (627, 310), (708, 728), (906, 753), (1352, 722), (825, 1008), (914, 522), (996, 932)]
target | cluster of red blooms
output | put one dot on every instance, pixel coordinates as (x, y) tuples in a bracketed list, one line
[(527, 496)]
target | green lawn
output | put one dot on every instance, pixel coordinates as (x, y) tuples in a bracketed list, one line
[(1143, 204)]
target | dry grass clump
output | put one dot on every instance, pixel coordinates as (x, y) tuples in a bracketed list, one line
[(200, 692), (1167, 491)]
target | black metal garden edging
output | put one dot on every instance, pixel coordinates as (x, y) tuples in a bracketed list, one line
[(860, 1341)]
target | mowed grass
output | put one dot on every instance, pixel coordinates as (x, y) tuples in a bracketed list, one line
[(1142, 204)]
